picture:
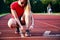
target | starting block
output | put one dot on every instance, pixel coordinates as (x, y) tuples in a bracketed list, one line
[(47, 33)]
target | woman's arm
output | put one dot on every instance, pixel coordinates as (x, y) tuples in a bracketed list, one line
[(16, 17), (32, 20)]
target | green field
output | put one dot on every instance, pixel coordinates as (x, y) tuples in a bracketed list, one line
[(3, 14)]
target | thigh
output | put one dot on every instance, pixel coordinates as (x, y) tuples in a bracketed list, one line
[(11, 22), (22, 22)]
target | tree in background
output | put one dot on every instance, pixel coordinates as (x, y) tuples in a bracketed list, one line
[(3, 7), (37, 6), (41, 5), (8, 2)]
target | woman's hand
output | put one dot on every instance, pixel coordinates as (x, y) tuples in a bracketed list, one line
[(21, 27), (31, 27)]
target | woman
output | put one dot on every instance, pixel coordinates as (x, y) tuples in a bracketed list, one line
[(21, 10)]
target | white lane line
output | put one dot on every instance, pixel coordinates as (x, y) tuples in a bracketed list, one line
[(46, 33), (27, 37), (51, 25)]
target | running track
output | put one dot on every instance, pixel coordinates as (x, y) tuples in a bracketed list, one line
[(42, 23)]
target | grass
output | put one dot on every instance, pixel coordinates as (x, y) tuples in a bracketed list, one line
[(2, 14), (46, 14)]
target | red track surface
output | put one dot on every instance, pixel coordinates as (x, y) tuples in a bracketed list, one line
[(42, 23)]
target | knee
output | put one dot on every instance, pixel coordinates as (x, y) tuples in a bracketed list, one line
[(11, 23)]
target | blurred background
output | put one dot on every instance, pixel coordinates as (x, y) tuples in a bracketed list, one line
[(37, 6)]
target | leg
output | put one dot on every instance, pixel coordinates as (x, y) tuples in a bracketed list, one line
[(28, 22), (12, 24), (25, 21)]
